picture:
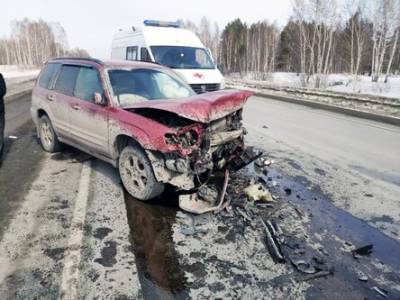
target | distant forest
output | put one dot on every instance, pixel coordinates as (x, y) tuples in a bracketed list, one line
[(34, 42), (320, 38)]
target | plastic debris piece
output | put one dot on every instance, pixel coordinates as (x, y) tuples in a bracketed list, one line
[(319, 275), (272, 242), (380, 291), (304, 267), (192, 203), (256, 192), (288, 191), (362, 277), (13, 137), (362, 251)]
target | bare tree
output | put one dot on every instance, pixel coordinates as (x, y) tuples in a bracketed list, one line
[(395, 38), (34, 42), (355, 37), (385, 28)]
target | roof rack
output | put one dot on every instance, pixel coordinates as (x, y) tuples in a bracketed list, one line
[(98, 61)]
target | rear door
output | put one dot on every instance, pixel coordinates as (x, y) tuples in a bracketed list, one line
[(89, 121), (59, 97)]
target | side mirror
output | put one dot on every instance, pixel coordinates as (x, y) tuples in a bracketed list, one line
[(99, 99)]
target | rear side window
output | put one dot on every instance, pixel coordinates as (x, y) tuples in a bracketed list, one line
[(47, 74), (66, 80), (87, 83), (131, 53), (144, 54)]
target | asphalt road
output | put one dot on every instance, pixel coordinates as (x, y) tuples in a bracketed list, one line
[(69, 230), (348, 141), (355, 161)]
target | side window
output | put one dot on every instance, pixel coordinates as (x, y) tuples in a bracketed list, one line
[(66, 80), (47, 75), (144, 54), (131, 53), (87, 83)]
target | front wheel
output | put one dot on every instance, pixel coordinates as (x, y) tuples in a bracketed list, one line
[(48, 137), (137, 174)]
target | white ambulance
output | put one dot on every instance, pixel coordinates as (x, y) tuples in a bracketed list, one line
[(167, 44)]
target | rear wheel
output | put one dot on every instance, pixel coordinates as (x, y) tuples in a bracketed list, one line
[(137, 174), (48, 137)]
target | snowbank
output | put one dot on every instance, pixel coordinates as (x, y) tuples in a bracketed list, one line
[(14, 72), (333, 82)]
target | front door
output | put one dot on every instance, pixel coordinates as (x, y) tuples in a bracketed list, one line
[(88, 120)]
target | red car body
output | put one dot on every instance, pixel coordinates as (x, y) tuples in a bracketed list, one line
[(183, 138)]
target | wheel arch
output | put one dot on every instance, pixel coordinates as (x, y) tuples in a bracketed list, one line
[(121, 141), (41, 112)]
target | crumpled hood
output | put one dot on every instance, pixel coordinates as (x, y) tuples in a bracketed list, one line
[(201, 108)]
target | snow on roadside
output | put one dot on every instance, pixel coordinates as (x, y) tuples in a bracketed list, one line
[(15, 74), (335, 82)]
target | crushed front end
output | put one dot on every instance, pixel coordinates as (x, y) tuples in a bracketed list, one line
[(201, 150)]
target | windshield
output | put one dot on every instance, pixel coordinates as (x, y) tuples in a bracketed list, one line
[(177, 57), (132, 86)]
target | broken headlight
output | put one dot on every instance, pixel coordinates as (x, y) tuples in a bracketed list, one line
[(171, 138), (185, 140)]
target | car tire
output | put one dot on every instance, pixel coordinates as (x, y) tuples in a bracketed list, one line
[(137, 174), (48, 137)]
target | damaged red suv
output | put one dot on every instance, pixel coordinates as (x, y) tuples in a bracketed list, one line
[(140, 117)]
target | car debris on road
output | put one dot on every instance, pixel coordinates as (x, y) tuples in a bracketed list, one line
[(362, 251), (205, 200), (272, 241), (257, 192)]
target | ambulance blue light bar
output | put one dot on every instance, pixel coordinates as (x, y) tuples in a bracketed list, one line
[(161, 23)]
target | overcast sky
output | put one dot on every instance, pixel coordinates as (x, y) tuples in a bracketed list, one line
[(90, 24)]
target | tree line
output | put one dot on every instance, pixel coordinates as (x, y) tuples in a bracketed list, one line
[(320, 38), (34, 42)]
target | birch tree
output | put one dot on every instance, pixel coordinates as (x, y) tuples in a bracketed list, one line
[(385, 32), (34, 42)]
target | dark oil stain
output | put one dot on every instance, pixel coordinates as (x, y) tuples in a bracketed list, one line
[(59, 156), (63, 204), (196, 254), (55, 253), (216, 287), (151, 236), (108, 254), (101, 232), (294, 164), (288, 191), (93, 275), (197, 269), (223, 229), (338, 223), (231, 236), (383, 218), (320, 171)]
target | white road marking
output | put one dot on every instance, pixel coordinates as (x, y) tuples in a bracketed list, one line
[(70, 276)]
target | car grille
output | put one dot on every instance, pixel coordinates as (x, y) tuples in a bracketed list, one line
[(205, 87)]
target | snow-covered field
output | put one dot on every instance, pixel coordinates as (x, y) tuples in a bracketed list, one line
[(338, 83), (18, 79), (15, 74)]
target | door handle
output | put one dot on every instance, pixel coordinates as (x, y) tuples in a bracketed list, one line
[(76, 107), (50, 97)]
